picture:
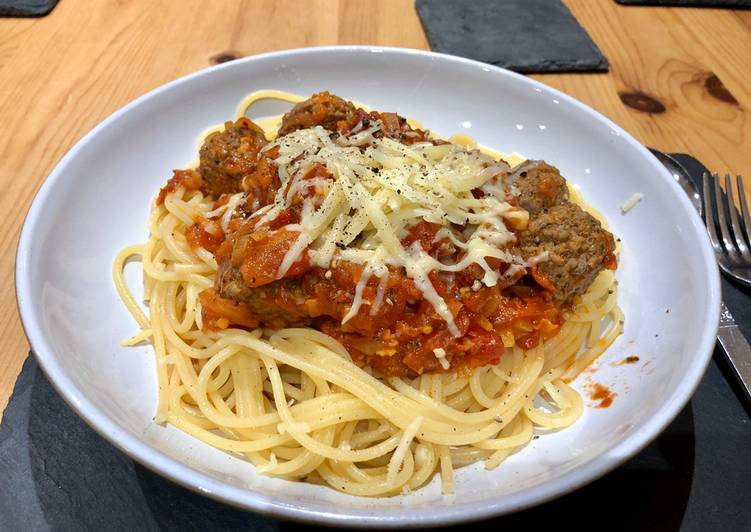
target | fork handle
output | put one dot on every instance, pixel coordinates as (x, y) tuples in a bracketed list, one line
[(738, 351)]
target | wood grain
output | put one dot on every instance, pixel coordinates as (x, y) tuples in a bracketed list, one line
[(62, 74)]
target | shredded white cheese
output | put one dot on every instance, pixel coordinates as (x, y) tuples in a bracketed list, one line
[(631, 202), (381, 188), (227, 210), (440, 354), (357, 301), (379, 295)]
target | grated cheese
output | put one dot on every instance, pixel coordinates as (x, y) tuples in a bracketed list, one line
[(440, 354), (227, 210), (380, 189), (357, 301), (379, 295), (631, 202)]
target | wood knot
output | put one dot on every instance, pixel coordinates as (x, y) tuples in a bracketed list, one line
[(717, 89), (223, 57), (642, 102)]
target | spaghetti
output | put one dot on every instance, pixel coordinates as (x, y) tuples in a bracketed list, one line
[(295, 405)]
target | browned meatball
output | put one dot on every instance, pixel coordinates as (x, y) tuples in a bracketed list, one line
[(266, 301), (228, 156), (322, 109), (396, 127), (230, 284), (540, 185), (577, 247)]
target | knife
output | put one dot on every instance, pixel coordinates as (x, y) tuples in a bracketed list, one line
[(736, 348)]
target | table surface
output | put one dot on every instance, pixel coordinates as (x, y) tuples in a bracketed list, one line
[(678, 81)]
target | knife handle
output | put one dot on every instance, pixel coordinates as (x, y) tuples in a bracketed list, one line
[(738, 352)]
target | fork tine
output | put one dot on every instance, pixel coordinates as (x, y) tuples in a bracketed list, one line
[(727, 240), (709, 214), (744, 207), (737, 233)]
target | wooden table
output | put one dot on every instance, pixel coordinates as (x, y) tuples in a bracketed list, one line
[(679, 81)]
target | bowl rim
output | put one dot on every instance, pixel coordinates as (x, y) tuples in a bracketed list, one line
[(328, 514)]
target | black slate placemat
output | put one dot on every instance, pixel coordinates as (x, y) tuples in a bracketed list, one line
[(688, 3), (26, 8), (58, 474), (522, 35)]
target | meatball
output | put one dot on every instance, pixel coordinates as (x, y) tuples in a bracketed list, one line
[(276, 303), (228, 156), (570, 247), (322, 109), (396, 127), (230, 283), (540, 186)]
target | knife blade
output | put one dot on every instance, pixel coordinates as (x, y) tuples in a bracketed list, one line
[(736, 348)]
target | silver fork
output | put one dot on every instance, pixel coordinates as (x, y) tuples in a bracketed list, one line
[(728, 232), (733, 251)]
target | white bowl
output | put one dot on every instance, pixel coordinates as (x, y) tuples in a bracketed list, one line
[(97, 199)]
